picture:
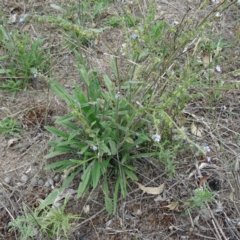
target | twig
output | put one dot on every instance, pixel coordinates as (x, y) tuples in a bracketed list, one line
[(89, 219), (216, 222)]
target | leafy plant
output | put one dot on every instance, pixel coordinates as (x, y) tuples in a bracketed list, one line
[(52, 222), (201, 195), (9, 126), (22, 59), (114, 21), (101, 130), (73, 19), (131, 115)]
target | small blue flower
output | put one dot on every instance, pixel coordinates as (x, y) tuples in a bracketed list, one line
[(117, 95), (35, 75), (156, 138), (206, 149), (134, 36), (94, 148), (209, 159), (21, 20)]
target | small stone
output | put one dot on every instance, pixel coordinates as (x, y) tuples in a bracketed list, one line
[(7, 180), (40, 182), (24, 178), (47, 184), (34, 182), (56, 178), (51, 182)]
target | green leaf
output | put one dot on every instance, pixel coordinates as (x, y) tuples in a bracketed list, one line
[(69, 179), (85, 181), (129, 140), (54, 154), (84, 149), (115, 196), (58, 8), (57, 132), (65, 163), (108, 201), (49, 200), (94, 88), (73, 134), (4, 33), (143, 54), (108, 83), (66, 118), (113, 147), (4, 57), (3, 71), (144, 155), (66, 121), (123, 184), (130, 174), (114, 67), (83, 74), (104, 148), (60, 91), (96, 173)]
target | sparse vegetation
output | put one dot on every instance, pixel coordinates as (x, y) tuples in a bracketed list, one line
[(9, 126), (140, 99)]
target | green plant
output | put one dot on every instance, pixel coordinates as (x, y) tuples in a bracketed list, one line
[(52, 222), (131, 115), (22, 59), (201, 195), (73, 19), (167, 154), (114, 21), (101, 130), (9, 126), (130, 20)]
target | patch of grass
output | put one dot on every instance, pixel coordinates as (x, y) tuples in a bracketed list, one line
[(201, 196), (51, 222), (9, 126), (22, 59), (115, 21)]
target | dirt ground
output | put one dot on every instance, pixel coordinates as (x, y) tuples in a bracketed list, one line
[(23, 179)]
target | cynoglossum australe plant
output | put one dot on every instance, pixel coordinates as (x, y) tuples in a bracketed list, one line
[(105, 130), (22, 59), (124, 118)]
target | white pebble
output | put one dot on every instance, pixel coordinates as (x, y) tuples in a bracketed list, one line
[(7, 180), (24, 178), (40, 182)]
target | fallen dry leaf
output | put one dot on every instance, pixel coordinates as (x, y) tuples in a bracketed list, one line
[(172, 206), (207, 59), (196, 131), (26, 28), (182, 119), (12, 141), (203, 179), (231, 195), (151, 190), (86, 209)]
